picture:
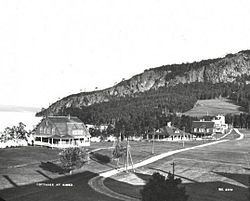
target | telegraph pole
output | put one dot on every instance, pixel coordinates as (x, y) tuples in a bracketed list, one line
[(153, 145), (183, 143), (128, 157), (173, 164)]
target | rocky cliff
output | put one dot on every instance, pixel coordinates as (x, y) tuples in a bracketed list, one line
[(231, 68)]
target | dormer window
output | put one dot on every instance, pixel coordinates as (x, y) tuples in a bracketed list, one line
[(77, 132)]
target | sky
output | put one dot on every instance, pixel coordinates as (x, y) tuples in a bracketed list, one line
[(53, 48)]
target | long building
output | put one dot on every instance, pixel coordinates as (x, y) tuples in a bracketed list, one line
[(207, 128)]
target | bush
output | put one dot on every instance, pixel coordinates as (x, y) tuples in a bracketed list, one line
[(72, 158), (119, 151), (101, 158), (161, 189)]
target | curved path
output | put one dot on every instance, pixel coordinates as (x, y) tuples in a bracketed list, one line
[(225, 135), (234, 129), (238, 132), (97, 182)]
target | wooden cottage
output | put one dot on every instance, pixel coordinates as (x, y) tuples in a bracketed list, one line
[(170, 133), (203, 128), (61, 132)]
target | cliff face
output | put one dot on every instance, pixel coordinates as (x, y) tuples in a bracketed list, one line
[(227, 69)]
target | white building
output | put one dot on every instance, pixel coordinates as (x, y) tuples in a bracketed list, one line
[(220, 124)]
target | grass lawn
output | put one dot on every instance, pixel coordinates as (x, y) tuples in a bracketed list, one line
[(10, 157), (77, 190), (203, 171), (143, 150), (21, 168), (26, 165), (214, 107)]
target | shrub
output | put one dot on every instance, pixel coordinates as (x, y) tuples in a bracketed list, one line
[(161, 189), (101, 158), (119, 151), (72, 158)]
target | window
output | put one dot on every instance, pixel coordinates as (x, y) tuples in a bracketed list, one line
[(45, 140), (41, 129), (53, 131), (77, 132), (201, 130), (195, 129), (48, 130)]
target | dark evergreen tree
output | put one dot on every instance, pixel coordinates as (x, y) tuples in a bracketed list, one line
[(158, 188)]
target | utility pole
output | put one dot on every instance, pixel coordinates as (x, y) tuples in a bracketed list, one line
[(183, 143), (88, 158), (128, 157), (153, 145), (249, 187), (173, 164)]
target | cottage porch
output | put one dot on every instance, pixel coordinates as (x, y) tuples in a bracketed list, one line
[(62, 141)]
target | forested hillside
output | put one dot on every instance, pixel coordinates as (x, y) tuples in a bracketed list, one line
[(233, 68), (154, 108), (158, 95)]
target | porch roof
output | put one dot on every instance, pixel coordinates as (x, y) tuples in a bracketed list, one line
[(62, 137)]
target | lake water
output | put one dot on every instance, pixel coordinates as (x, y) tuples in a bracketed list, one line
[(10, 118)]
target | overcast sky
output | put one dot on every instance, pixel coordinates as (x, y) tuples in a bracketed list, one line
[(50, 49)]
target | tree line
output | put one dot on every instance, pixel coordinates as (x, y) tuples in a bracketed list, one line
[(152, 109)]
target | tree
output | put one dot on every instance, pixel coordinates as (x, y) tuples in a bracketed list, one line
[(21, 130), (118, 152), (72, 158), (161, 189), (15, 132)]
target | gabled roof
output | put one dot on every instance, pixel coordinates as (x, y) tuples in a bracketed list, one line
[(170, 131), (64, 119), (202, 124)]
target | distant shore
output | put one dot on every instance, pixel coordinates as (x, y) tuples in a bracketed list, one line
[(14, 108), (9, 118)]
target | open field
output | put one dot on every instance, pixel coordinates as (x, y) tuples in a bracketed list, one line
[(214, 107), (18, 156), (218, 172), (143, 150), (67, 188), (21, 169), (26, 165)]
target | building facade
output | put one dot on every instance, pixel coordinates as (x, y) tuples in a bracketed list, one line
[(220, 124), (206, 128), (61, 132), (202, 128), (169, 133)]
